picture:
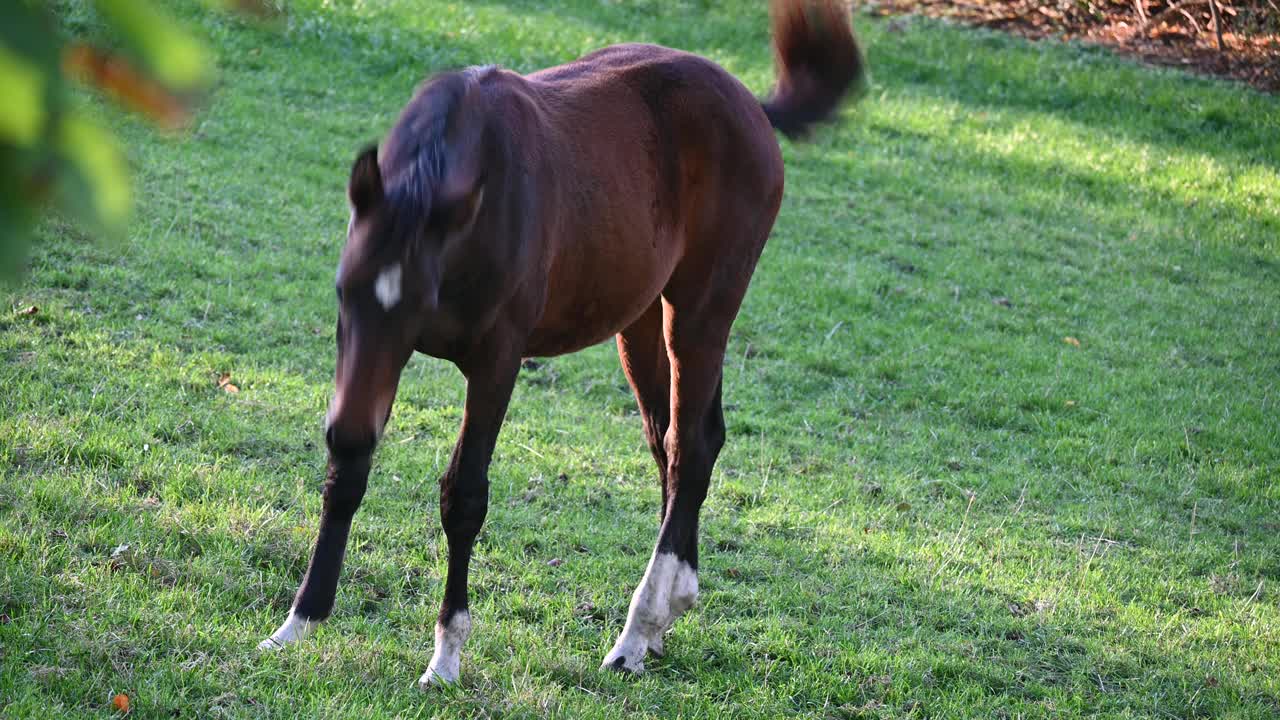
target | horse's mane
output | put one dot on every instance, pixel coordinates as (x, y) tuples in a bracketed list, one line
[(414, 157)]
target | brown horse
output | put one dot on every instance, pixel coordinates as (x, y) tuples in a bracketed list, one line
[(627, 193)]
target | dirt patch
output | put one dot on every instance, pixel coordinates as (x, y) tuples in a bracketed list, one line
[(1181, 33)]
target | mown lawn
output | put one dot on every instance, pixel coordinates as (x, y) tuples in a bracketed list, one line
[(1003, 406)]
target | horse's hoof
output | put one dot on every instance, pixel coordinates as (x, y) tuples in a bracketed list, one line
[(269, 645), (295, 628), (434, 678), (620, 660)]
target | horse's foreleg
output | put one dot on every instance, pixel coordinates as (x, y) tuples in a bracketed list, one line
[(344, 488), (464, 502)]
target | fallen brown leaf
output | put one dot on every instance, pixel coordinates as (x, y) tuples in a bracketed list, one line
[(1071, 341), (32, 310), (224, 382)]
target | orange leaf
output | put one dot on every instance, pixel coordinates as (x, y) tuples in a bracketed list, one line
[(114, 75), (120, 702), (224, 382)]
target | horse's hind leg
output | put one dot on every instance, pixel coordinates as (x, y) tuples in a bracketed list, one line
[(696, 338), (643, 352)]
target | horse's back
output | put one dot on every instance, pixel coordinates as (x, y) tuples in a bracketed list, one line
[(691, 93), (671, 125)]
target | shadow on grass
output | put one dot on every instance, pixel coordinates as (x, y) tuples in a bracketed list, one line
[(847, 627)]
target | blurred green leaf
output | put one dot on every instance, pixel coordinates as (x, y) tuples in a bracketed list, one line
[(177, 59), (27, 29), (98, 191), (51, 158), (16, 217), (22, 85)]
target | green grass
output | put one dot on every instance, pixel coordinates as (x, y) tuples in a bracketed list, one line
[(931, 505)]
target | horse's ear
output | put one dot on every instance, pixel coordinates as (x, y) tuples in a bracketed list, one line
[(365, 187)]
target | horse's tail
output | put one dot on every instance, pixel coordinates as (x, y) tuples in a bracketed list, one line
[(819, 63)]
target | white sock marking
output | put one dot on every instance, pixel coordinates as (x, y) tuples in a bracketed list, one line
[(387, 286), (446, 661), (295, 628), (668, 589)]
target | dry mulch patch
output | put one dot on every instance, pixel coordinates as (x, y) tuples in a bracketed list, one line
[(1181, 33)]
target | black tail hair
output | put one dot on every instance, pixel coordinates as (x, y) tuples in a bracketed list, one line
[(819, 63)]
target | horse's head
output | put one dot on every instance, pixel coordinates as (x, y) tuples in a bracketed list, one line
[(399, 240)]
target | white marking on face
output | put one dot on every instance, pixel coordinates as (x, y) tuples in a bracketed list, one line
[(668, 589), (446, 661), (295, 628), (387, 286)]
